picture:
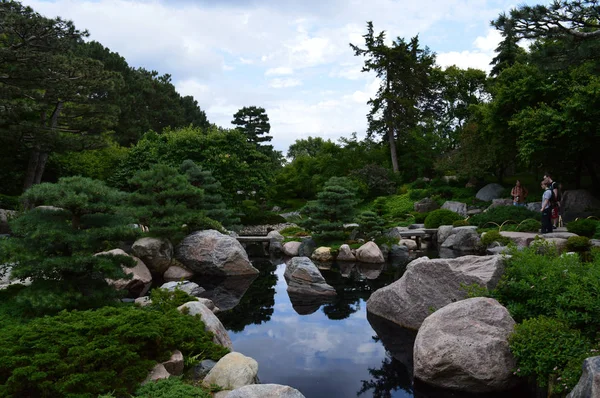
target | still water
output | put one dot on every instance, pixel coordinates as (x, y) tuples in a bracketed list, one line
[(323, 349)]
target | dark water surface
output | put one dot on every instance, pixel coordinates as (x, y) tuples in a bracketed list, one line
[(324, 349)]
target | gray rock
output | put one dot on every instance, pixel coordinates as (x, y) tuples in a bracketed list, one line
[(276, 248), (430, 284), (175, 364), (578, 203), (275, 236), (521, 239), (490, 192), (464, 346), (472, 212), (444, 231), (345, 254), (143, 301), (560, 243), (395, 232), (304, 278), (426, 205), (456, 230), (191, 288), (263, 230), (141, 279), (457, 207), (200, 370), (177, 273), (369, 253), (559, 235), (157, 373), (291, 248), (307, 247), (233, 371), (213, 253), (589, 383), (500, 203), (211, 322), (156, 253), (595, 242), (265, 391), (416, 226), (399, 255), (385, 250), (409, 243), (5, 215), (322, 254), (534, 206), (497, 250), (465, 240)]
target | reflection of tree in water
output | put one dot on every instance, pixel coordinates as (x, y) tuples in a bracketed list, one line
[(257, 304), (391, 376), (352, 289)]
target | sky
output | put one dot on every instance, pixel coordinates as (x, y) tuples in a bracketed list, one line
[(291, 57)]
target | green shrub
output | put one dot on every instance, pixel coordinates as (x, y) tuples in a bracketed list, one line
[(441, 217), (294, 231), (529, 225), (494, 236), (370, 225), (578, 244), (500, 214), (583, 227), (460, 223), (9, 202), (86, 353), (252, 214), (597, 234), (399, 205), (419, 217), (165, 300), (418, 194), (172, 387), (548, 349)]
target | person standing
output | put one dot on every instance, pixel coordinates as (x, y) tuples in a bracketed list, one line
[(519, 194), (546, 208), (555, 199)]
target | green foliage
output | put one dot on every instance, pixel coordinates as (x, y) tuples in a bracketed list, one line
[(165, 300), (399, 206), (55, 248), (441, 217), (334, 206), (583, 227), (460, 223), (172, 387), (494, 236), (547, 349), (99, 164), (529, 226), (419, 217), (379, 180), (254, 123), (9, 202), (370, 225), (294, 231), (500, 214), (252, 214), (85, 353), (578, 244)]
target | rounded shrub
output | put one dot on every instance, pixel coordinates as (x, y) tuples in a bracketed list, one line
[(460, 223), (578, 244), (494, 236), (500, 214), (529, 225), (441, 217), (419, 217), (583, 227)]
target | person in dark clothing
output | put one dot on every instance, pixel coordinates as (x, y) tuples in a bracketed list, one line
[(555, 204), (546, 208)]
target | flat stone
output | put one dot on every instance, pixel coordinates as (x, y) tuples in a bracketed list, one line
[(559, 235), (265, 391), (191, 288), (521, 239)]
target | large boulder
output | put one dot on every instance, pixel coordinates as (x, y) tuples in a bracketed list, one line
[(589, 383), (490, 192), (578, 203), (443, 232), (464, 240), (394, 233), (304, 278), (211, 322), (291, 248), (500, 203), (369, 253), (307, 247), (322, 254), (265, 391), (4, 216), (141, 279), (426, 205), (409, 243), (430, 284), (212, 253), (191, 288), (177, 273), (233, 371), (345, 254), (399, 255), (457, 207), (464, 346), (156, 253)]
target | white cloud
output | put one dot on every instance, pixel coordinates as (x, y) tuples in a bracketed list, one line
[(282, 70), (284, 82), (479, 57)]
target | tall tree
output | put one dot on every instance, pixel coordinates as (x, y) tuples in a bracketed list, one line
[(254, 123), (404, 69), (53, 99)]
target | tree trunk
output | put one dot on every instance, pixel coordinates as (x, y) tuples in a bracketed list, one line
[(393, 152), (32, 168), (41, 166)]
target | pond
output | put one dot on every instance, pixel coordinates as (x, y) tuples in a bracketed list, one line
[(322, 348)]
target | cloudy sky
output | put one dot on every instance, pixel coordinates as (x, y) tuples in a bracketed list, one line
[(289, 56)]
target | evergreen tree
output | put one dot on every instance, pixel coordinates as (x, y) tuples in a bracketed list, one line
[(370, 225), (213, 204), (333, 207), (167, 203), (254, 122), (55, 247)]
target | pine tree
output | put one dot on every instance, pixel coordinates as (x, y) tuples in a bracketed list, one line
[(254, 122), (55, 247), (213, 204), (168, 204), (333, 207), (370, 225)]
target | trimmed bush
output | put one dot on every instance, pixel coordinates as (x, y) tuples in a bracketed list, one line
[(578, 244), (529, 226), (9, 202), (583, 227), (441, 217), (500, 214), (460, 223), (370, 225), (86, 353), (172, 387), (419, 217), (494, 236)]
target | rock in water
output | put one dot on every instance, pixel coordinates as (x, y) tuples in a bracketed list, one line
[(156, 253), (291, 248), (304, 278), (212, 253), (265, 391), (464, 346), (428, 285), (369, 253)]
